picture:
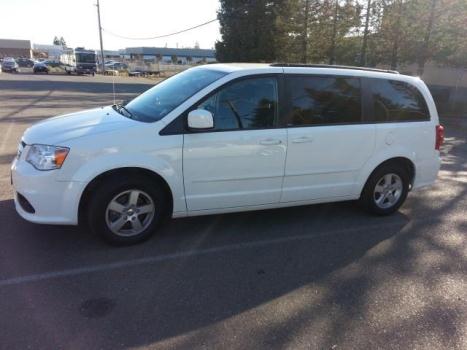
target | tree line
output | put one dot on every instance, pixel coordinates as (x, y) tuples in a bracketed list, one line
[(351, 32), (59, 41)]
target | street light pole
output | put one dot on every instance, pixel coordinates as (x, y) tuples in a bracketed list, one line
[(100, 36)]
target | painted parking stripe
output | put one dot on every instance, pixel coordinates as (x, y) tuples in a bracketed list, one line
[(184, 254)]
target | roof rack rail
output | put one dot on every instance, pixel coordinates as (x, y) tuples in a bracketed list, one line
[(333, 66)]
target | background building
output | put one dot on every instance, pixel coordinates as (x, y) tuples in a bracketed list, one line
[(15, 48), (109, 55), (169, 55), (51, 52)]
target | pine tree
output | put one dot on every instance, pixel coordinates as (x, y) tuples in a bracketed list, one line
[(254, 31), (365, 32), (62, 42)]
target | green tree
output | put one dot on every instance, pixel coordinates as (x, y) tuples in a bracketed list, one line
[(254, 31), (364, 32), (325, 25), (418, 31)]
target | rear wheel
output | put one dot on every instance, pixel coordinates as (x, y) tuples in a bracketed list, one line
[(127, 213), (386, 189)]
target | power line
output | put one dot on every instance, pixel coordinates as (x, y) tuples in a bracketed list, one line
[(159, 36)]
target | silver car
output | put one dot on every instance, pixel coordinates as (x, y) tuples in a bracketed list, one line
[(10, 65)]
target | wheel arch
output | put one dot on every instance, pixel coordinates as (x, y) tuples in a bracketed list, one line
[(405, 162), (124, 171)]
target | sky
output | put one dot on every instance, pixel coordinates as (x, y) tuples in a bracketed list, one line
[(76, 20)]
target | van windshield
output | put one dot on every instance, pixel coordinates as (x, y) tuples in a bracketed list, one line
[(160, 100), (86, 57)]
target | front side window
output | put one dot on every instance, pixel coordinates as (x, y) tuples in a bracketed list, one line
[(160, 100), (245, 104), (397, 101), (321, 100)]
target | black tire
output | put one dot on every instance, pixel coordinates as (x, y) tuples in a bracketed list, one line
[(368, 197), (108, 190)]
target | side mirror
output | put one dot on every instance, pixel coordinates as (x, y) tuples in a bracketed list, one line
[(200, 119)]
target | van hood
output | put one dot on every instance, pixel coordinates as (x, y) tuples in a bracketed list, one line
[(57, 130)]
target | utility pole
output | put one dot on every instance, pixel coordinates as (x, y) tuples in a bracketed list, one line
[(100, 36)]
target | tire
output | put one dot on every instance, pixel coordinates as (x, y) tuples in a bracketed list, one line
[(386, 189), (135, 225)]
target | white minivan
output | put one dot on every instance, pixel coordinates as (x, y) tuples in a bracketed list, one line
[(231, 137)]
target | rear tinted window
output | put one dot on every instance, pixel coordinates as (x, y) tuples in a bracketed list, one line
[(397, 101), (318, 100)]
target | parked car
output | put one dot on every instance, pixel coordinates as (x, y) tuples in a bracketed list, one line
[(226, 138), (116, 66), (10, 65), (52, 63), (41, 67), (25, 62)]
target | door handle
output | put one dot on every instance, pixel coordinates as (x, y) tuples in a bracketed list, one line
[(270, 142), (303, 139)]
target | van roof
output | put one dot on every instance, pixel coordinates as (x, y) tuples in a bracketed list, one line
[(311, 68), (333, 67)]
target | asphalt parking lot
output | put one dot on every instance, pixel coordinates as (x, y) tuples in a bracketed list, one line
[(316, 277)]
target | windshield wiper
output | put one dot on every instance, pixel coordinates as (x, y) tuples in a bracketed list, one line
[(123, 110)]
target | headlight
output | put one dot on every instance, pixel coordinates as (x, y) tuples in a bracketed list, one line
[(44, 157)]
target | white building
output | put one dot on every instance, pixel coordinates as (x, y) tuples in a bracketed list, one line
[(51, 52)]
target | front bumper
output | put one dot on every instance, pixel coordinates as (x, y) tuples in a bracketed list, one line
[(85, 70), (54, 202)]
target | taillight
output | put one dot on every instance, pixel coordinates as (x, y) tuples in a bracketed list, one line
[(439, 137)]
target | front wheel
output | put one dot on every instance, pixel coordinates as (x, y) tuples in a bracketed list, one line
[(127, 213), (386, 190)]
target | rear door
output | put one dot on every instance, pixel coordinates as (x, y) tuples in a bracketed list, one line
[(327, 142), (241, 161)]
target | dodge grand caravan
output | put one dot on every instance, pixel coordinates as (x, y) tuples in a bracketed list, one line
[(225, 138)]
